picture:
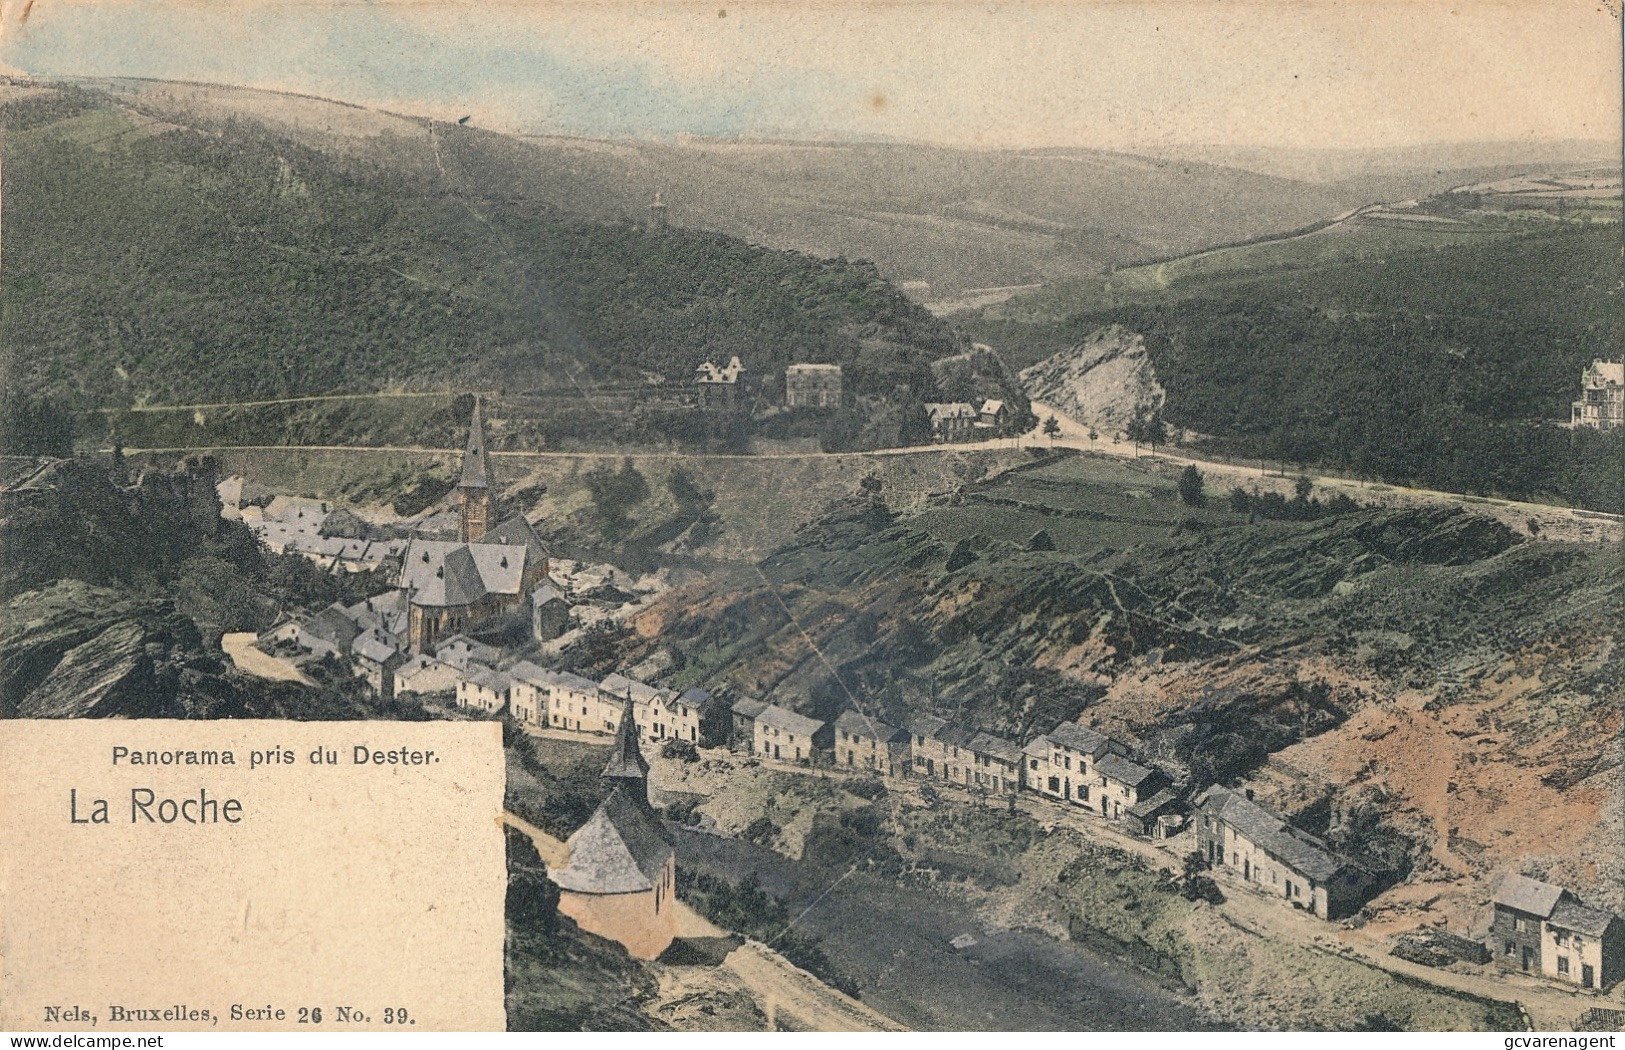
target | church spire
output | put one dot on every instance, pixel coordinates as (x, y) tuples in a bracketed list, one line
[(474, 486), (627, 768)]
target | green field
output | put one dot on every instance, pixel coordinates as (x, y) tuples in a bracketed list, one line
[(1086, 503)]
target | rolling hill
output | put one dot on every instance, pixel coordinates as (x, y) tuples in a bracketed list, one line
[(1437, 341), (147, 259), (941, 220)]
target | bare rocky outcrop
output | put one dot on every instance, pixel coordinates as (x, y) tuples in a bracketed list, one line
[(1104, 381)]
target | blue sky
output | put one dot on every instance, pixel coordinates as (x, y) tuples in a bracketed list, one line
[(1105, 74)]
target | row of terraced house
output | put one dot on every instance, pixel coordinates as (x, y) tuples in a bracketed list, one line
[(1078, 767)]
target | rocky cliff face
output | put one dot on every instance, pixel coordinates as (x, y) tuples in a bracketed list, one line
[(1103, 382)]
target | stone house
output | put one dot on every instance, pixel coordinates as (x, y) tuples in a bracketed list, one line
[(744, 712), (862, 742), (995, 764), (485, 690), (951, 421), (1123, 784), (330, 632), (994, 415), (784, 736), (812, 386), (661, 713), (421, 674), (549, 613), (558, 698), (718, 385), (464, 653), (377, 658), (1602, 397), (1543, 929), (1243, 839), (1074, 749)]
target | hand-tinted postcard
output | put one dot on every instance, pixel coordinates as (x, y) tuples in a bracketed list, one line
[(1052, 516)]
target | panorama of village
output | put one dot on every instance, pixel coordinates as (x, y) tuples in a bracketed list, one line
[(1038, 544), (465, 568)]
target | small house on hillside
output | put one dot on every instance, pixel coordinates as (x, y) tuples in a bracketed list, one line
[(718, 385), (951, 421), (993, 415), (1544, 929), (812, 386), (1241, 837), (1602, 396)]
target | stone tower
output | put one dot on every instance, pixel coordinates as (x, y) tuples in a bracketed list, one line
[(657, 213), (627, 769), (474, 487)]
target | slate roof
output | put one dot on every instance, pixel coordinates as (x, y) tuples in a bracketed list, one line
[(516, 531), (697, 698), (787, 720), (1270, 832), (992, 406), (1123, 770), (1074, 737), (331, 625), (370, 646), (1607, 371), (1150, 807), (621, 849), (525, 671), (938, 410), (859, 724), (1572, 915), (544, 594), (957, 735), (476, 458), (625, 757), (623, 686), (460, 651), (445, 573), (748, 708), (1521, 893), (486, 678), (1037, 747), (926, 725), (997, 747)]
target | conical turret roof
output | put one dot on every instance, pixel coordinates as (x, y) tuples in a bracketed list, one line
[(626, 761)]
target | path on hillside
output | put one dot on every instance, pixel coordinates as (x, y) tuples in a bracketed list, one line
[(1559, 523), (777, 984), (273, 401), (1556, 522), (239, 645)]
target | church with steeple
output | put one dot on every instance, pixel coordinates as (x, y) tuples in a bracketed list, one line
[(489, 570), (620, 877)]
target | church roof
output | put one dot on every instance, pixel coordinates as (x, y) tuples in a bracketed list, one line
[(476, 458), (626, 758), (446, 573), (515, 531), (621, 849)]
